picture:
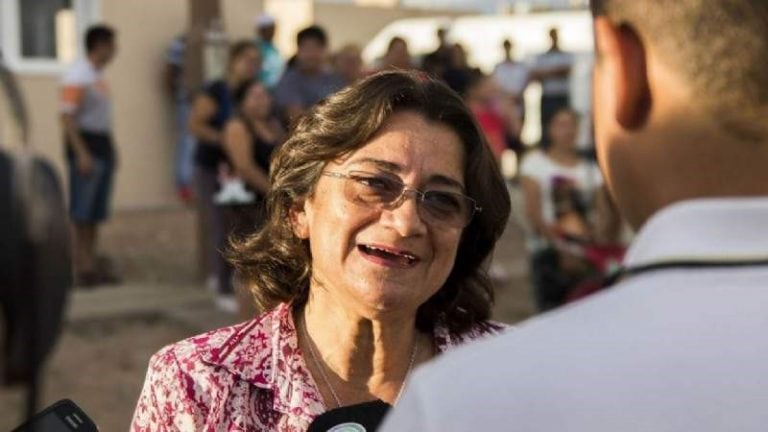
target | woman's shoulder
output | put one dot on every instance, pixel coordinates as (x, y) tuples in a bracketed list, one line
[(217, 347)]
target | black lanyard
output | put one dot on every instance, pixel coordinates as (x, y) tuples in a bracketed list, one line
[(628, 272)]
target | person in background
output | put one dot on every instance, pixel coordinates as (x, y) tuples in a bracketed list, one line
[(384, 204), (250, 138), (272, 64), (553, 70), (483, 98), (512, 77), (560, 187), (348, 63), (457, 72), (309, 80), (679, 343), (436, 62), (86, 118), (211, 109), (397, 55), (173, 80)]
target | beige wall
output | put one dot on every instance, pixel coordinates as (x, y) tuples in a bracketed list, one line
[(142, 115), (238, 17), (41, 96)]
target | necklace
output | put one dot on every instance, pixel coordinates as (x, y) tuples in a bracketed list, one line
[(327, 381)]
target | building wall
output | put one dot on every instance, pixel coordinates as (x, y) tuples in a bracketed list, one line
[(143, 118), (40, 95)]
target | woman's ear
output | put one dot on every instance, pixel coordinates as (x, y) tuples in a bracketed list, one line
[(298, 217), (623, 62)]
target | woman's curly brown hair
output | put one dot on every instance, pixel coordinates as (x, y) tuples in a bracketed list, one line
[(276, 265)]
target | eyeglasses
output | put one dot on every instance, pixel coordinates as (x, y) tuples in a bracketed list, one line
[(435, 207)]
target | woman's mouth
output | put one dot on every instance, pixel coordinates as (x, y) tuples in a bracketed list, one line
[(387, 256)]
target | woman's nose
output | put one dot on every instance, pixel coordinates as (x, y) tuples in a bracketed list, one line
[(403, 215)]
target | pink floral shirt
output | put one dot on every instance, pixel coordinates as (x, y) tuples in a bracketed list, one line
[(247, 377)]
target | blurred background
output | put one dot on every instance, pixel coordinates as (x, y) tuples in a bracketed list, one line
[(153, 239)]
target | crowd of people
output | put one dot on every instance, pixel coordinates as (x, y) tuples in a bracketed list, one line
[(228, 129), (294, 85)]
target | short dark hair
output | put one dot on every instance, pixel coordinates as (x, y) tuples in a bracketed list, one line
[(97, 35), (312, 32), (719, 46), (277, 265)]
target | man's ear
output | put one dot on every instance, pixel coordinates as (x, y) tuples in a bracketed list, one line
[(624, 57), (298, 219)]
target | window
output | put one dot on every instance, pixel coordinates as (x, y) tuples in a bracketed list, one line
[(43, 35)]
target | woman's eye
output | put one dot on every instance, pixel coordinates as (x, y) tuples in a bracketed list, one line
[(376, 182), (443, 200)]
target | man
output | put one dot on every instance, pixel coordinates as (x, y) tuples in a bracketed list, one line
[(436, 62), (553, 70), (307, 81), (512, 77), (271, 62), (86, 120), (679, 344)]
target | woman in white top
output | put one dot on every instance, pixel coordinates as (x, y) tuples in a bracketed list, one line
[(560, 187)]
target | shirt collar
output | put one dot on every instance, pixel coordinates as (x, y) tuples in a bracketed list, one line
[(264, 352), (722, 229)]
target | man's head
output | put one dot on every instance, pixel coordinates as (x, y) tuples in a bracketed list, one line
[(100, 44), (442, 34), (507, 44), (312, 50), (265, 27), (554, 39), (681, 97)]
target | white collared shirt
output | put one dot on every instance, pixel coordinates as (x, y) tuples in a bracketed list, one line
[(678, 349)]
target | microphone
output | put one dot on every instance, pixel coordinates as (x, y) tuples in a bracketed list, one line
[(363, 417)]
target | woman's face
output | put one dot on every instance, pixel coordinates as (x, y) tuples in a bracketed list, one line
[(563, 129), (376, 261), (257, 102), (245, 65)]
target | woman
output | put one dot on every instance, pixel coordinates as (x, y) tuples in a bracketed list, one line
[(210, 111), (559, 186), (483, 97), (250, 137), (384, 203)]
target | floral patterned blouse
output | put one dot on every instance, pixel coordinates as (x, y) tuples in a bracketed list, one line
[(247, 377)]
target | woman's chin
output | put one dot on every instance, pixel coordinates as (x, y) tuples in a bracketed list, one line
[(388, 299)]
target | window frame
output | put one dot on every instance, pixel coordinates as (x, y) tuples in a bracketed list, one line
[(87, 12)]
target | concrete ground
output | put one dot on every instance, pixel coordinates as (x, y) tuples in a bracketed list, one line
[(111, 332)]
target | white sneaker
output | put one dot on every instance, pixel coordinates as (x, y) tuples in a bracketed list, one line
[(233, 191), (226, 303)]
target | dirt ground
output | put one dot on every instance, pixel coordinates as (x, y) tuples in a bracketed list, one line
[(100, 362)]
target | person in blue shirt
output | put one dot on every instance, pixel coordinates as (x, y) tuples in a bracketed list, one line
[(272, 64)]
